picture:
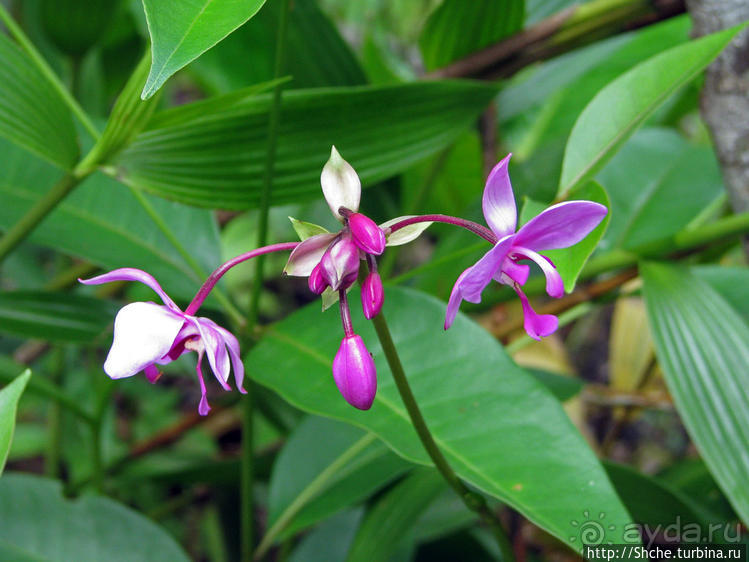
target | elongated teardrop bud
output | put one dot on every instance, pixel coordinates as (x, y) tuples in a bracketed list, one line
[(367, 235), (355, 373), (372, 295)]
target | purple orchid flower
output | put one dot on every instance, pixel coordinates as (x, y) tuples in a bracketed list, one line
[(147, 334), (560, 226)]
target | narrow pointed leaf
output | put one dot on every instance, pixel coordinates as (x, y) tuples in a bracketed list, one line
[(182, 31), (32, 115), (621, 107), (215, 159), (499, 428), (9, 397), (702, 345)]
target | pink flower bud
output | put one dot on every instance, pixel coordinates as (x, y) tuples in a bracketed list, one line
[(339, 265), (372, 295), (316, 282), (367, 235), (354, 373)]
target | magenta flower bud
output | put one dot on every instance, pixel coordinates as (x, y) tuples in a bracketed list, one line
[(354, 373), (372, 295), (367, 235), (339, 266), (316, 282)]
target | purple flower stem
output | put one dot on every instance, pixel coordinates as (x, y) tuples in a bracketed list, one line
[(214, 277), (474, 227), (348, 328)]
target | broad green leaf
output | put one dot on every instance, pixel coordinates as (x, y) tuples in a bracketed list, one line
[(39, 521), (182, 31), (54, 316), (330, 542), (31, 113), (653, 505), (216, 159), (9, 397), (103, 222), (702, 346), (562, 387), (498, 427), (74, 26), (362, 465), (458, 28), (732, 283), (570, 261), (622, 106), (657, 184), (394, 514), (318, 55)]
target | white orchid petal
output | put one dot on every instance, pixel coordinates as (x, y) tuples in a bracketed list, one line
[(340, 184), (403, 235), (143, 333), (307, 255)]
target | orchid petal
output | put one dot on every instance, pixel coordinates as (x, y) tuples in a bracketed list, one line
[(536, 325), (132, 274), (215, 349), (561, 225), (306, 229), (152, 373), (554, 283), (308, 254), (143, 333), (475, 279), (203, 407), (236, 359), (498, 200), (456, 296), (340, 184), (516, 272)]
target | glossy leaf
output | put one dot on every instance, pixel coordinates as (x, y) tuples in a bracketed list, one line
[(318, 55), (9, 397), (622, 106), (458, 28), (31, 113), (180, 32), (54, 316), (103, 222), (305, 457), (657, 184), (732, 283), (39, 522), (330, 542), (702, 346), (474, 398), (394, 514), (216, 159)]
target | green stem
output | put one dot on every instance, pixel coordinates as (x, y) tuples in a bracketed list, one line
[(20, 230), (48, 73), (311, 491), (473, 501), (234, 313), (247, 468)]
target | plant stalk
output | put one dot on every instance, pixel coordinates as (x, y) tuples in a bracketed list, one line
[(473, 501)]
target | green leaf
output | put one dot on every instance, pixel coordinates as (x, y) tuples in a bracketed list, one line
[(320, 56), (103, 222), (181, 32), (622, 106), (498, 427), (312, 469), (702, 346), (570, 261), (330, 541), (732, 283), (657, 183), (39, 521), (9, 397), (54, 316), (31, 113), (458, 28), (394, 515), (216, 159), (74, 26)]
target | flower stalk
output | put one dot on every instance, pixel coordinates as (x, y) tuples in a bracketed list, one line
[(473, 501)]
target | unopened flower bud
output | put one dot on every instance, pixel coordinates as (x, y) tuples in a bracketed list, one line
[(367, 235), (354, 373), (339, 265), (372, 295), (316, 282)]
